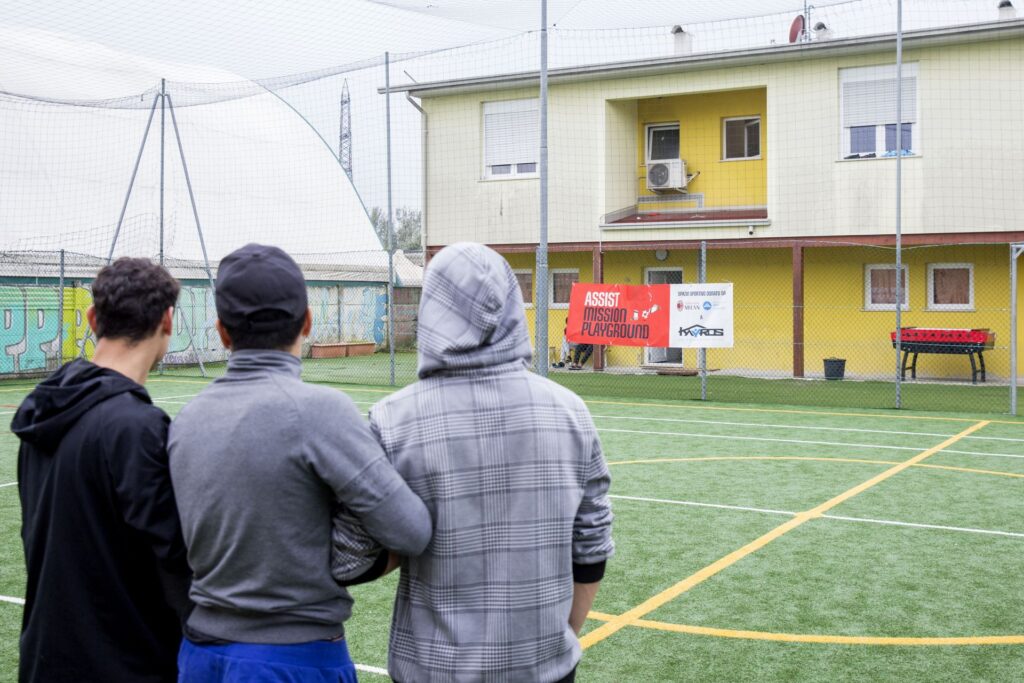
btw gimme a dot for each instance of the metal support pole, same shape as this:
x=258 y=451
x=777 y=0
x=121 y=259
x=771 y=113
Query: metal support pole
x=340 y=296
x=391 y=224
x=199 y=227
x=163 y=127
x=899 y=200
x=131 y=182
x=1015 y=251
x=60 y=313
x=191 y=194
x=541 y=302
x=702 y=354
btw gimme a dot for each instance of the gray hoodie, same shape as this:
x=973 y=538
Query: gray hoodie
x=510 y=466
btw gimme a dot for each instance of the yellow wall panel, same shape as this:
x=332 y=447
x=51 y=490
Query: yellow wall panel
x=700 y=118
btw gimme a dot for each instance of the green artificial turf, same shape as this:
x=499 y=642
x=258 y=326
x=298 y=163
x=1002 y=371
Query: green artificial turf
x=828 y=576
x=374 y=370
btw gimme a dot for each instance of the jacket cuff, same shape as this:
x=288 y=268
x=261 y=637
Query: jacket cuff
x=588 y=573
x=375 y=571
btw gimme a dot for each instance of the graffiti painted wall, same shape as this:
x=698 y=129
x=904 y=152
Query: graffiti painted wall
x=36 y=336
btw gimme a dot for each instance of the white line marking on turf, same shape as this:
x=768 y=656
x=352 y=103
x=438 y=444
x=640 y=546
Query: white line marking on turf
x=371 y=669
x=805 y=427
x=807 y=442
x=690 y=503
x=769 y=426
x=13 y=601
x=842 y=518
x=10 y=483
x=926 y=526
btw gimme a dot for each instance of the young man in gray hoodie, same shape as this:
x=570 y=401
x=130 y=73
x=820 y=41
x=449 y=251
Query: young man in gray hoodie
x=511 y=468
x=259 y=460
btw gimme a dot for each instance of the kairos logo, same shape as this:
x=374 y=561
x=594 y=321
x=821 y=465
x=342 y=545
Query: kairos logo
x=701 y=331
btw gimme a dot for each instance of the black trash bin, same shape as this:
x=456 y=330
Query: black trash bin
x=835 y=368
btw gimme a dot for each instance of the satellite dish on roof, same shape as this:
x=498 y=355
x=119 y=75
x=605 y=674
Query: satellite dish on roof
x=796 y=29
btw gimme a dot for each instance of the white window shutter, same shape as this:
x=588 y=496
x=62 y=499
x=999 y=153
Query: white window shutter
x=511 y=132
x=869 y=95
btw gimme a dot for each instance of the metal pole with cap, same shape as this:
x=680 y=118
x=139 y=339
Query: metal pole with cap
x=390 y=223
x=541 y=301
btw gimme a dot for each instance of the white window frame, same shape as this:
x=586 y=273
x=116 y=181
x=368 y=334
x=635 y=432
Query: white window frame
x=755 y=117
x=533 y=285
x=551 y=286
x=969 y=306
x=905 y=291
x=513 y=173
x=649 y=129
x=874 y=73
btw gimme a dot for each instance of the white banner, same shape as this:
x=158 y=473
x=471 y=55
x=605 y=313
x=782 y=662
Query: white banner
x=700 y=316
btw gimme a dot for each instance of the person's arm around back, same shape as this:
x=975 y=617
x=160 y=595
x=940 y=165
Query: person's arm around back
x=349 y=458
x=592 y=543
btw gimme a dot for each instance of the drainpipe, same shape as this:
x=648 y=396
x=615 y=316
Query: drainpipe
x=423 y=175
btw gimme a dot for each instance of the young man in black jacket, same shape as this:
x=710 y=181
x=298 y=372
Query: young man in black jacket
x=107 y=570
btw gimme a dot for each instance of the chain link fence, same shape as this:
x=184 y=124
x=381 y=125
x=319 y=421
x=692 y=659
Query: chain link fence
x=44 y=297
x=814 y=324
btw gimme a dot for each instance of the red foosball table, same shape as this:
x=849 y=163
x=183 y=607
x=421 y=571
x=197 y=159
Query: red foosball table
x=916 y=340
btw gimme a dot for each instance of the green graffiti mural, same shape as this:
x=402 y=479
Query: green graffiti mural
x=32 y=324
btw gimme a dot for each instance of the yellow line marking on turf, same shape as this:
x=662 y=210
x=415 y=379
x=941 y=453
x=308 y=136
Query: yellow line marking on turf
x=971 y=470
x=815 y=638
x=795 y=411
x=653 y=603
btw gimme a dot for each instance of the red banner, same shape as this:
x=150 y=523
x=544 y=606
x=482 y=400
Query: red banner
x=619 y=315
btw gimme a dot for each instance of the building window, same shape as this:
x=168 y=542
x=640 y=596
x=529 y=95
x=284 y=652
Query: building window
x=511 y=138
x=663 y=142
x=525 y=279
x=741 y=138
x=561 y=282
x=880 y=287
x=951 y=287
x=868 y=112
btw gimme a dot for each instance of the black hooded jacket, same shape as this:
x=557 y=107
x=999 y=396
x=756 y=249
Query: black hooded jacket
x=107 y=571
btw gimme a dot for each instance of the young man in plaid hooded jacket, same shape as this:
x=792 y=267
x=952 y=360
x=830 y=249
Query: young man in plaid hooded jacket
x=510 y=466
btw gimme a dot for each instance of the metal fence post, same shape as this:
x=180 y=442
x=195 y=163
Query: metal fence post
x=60 y=313
x=390 y=223
x=1015 y=251
x=702 y=354
x=541 y=297
x=340 y=290
x=899 y=199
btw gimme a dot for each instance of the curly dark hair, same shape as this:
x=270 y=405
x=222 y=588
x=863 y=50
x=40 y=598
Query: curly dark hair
x=130 y=296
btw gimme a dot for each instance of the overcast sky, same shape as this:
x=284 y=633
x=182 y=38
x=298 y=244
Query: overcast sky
x=97 y=49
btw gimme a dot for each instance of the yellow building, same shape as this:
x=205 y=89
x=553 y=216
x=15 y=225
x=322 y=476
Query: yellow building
x=781 y=161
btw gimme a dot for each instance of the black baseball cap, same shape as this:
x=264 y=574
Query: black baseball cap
x=260 y=289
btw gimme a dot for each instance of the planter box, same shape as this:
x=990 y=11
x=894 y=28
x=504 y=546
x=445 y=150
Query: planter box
x=341 y=349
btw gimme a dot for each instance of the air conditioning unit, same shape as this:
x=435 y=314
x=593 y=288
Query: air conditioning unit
x=666 y=175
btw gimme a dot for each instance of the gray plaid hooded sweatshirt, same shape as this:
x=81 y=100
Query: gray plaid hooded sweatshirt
x=510 y=467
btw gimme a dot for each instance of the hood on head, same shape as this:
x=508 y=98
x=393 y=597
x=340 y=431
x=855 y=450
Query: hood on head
x=471 y=312
x=56 y=404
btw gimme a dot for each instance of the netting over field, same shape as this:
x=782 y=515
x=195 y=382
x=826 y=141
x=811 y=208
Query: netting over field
x=183 y=135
